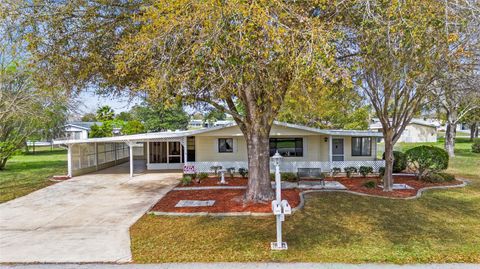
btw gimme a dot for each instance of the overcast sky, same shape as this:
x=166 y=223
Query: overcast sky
x=89 y=102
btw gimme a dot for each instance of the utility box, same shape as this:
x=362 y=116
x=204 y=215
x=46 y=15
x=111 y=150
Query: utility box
x=287 y=209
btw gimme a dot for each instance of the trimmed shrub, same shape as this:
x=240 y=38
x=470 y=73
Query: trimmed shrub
x=427 y=159
x=433 y=178
x=365 y=170
x=215 y=169
x=288 y=176
x=447 y=177
x=350 y=170
x=285 y=176
x=202 y=175
x=399 y=161
x=243 y=172
x=369 y=184
x=231 y=171
x=336 y=171
x=186 y=180
x=381 y=171
x=476 y=146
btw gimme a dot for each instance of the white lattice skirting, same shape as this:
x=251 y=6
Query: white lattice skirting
x=287 y=166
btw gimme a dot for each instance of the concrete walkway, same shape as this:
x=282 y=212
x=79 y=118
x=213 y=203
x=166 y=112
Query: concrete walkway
x=84 y=219
x=243 y=266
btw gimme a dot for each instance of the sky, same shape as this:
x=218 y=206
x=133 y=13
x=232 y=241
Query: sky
x=89 y=102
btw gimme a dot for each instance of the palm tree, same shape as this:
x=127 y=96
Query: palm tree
x=105 y=113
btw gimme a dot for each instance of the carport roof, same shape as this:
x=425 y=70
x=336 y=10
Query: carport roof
x=181 y=134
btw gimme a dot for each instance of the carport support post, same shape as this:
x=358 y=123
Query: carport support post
x=330 y=152
x=69 y=162
x=130 y=145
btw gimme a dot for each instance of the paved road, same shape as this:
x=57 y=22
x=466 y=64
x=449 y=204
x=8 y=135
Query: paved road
x=85 y=219
x=243 y=266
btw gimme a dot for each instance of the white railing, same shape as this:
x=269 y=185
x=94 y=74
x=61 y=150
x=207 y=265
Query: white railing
x=287 y=166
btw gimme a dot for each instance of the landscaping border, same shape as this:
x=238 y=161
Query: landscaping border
x=302 y=202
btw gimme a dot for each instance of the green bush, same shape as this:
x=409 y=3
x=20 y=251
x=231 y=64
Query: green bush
x=243 y=172
x=285 y=176
x=350 y=170
x=186 y=180
x=381 y=171
x=202 y=175
x=369 y=184
x=434 y=178
x=231 y=171
x=336 y=171
x=447 y=177
x=215 y=168
x=476 y=146
x=427 y=159
x=399 y=161
x=365 y=170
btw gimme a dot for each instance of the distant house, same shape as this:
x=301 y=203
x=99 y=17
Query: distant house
x=197 y=124
x=417 y=131
x=80 y=129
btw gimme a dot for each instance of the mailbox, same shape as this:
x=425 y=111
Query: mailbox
x=287 y=209
x=276 y=208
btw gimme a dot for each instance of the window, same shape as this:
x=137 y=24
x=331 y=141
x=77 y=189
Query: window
x=361 y=146
x=225 y=145
x=287 y=147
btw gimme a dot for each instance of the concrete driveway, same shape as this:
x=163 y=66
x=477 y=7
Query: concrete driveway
x=84 y=219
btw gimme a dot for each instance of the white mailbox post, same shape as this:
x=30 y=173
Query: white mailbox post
x=222 y=176
x=280 y=207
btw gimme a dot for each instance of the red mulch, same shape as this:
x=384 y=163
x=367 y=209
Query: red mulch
x=215 y=181
x=232 y=200
x=225 y=201
x=356 y=184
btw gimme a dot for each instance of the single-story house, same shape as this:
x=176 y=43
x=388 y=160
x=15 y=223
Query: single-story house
x=81 y=129
x=199 y=150
x=417 y=131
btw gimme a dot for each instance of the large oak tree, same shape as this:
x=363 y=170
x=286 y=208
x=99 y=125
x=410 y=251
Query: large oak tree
x=240 y=57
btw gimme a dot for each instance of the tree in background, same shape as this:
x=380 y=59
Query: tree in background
x=89 y=117
x=133 y=127
x=327 y=108
x=457 y=90
x=472 y=119
x=214 y=115
x=396 y=47
x=105 y=113
x=157 y=117
x=105 y=129
x=26 y=110
x=124 y=116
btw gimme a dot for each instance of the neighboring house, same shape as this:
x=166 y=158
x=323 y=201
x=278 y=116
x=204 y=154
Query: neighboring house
x=302 y=147
x=81 y=129
x=417 y=131
x=197 y=124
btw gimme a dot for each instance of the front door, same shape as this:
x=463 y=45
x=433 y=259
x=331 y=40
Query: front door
x=337 y=149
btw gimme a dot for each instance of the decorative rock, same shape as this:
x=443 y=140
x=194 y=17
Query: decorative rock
x=194 y=203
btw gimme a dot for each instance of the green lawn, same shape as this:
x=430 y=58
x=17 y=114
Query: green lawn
x=29 y=172
x=441 y=226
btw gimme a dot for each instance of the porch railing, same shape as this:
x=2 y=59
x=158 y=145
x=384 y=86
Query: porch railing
x=287 y=166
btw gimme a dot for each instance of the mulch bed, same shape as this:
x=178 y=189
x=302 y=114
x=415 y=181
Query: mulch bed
x=356 y=185
x=225 y=201
x=231 y=200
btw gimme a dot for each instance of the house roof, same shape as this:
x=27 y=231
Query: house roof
x=86 y=125
x=181 y=134
x=377 y=125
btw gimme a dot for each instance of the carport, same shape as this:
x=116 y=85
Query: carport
x=94 y=154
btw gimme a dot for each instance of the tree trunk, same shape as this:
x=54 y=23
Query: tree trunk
x=388 y=177
x=258 y=150
x=473 y=130
x=450 y=138
x=3 y=162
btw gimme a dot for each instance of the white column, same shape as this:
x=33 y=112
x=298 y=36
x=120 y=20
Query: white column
x=69 y=159
x=330 y=152
x=185 y=150
x=130 y=145
x=148 y=153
